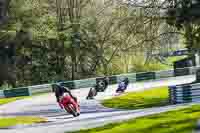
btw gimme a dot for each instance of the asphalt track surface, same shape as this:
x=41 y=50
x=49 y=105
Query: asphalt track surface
x=93 y=114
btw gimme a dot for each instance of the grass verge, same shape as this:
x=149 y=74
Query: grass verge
x=138 y=100
x=175 y=58
x=178 y=121
x=12 y=99
x=7 y=122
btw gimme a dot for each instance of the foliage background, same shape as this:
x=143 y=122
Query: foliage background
x=114 y=38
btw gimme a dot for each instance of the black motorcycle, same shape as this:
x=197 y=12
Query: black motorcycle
x=101 y=86
x=92 y=93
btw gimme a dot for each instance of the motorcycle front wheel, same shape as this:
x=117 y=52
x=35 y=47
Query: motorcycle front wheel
x=70 y=109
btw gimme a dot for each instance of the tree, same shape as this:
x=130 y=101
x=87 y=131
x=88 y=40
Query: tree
x=70 y=9
x=4 y=4
x=184 y=15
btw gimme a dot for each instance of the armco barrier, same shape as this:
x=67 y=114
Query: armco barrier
x=39 y=89
x=85 y=83
x=133 y=77
x=193 y=70
x=145 y=76
x=69 y=84
x=181 y=72
x=164 y=74
x=16 y=92
x=184 y=93
x=130 y=76
x=2 y=94
x=113 y=80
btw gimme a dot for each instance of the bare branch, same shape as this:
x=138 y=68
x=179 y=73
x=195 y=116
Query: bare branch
x=150 y=40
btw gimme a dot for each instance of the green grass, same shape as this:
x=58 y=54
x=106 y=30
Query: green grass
x=7 y=122
x=12 y=99
x=175 y=58
x=178 y=121
x=142 y=99
x=169 y=60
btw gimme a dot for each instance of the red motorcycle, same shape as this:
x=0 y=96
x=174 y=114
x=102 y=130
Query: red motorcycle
x=70 y=105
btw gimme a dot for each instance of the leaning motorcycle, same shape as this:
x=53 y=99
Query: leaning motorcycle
x=121 y=87
x=101 y=87
x=70 y=105
x=92 y=93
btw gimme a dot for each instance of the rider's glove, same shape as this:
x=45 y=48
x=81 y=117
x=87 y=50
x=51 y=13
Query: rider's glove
x=60 y=105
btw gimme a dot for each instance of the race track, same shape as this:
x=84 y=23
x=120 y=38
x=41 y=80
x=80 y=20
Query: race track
x=93 y=114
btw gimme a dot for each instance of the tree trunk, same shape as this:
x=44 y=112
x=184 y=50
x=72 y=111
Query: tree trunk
x=73 y=58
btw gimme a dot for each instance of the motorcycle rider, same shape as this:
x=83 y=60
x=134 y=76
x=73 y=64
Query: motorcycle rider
x=59 y=92
x=102 y=84
x=126 y=80
x=123 y=85
x=92 y=93
x=106 y=81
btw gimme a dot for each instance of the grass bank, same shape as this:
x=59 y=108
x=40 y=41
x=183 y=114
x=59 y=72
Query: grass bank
x=178 y=121
x=7 y=122
x=138 y=100
x=12 y=99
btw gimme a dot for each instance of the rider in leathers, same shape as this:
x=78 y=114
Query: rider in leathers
x=59 y=91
